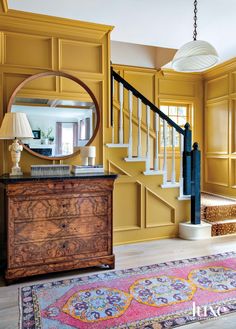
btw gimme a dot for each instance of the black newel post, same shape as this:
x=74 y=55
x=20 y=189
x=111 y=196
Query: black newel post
x=196 y=185
x=187 y=159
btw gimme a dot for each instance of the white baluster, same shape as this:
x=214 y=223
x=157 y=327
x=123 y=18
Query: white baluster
x=130 y=149
x=165 y=152
x=148 y=138
x=121 y=100
x=139 y=128
x=112 y=109
x=173 y=156
x=156 y=159
x=181 y=179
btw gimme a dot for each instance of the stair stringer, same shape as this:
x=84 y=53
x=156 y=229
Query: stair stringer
x=138 y=199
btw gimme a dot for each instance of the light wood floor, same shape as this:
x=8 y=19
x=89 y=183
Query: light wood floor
x=130 y=256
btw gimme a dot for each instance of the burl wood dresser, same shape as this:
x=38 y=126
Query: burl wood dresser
x=57 y=224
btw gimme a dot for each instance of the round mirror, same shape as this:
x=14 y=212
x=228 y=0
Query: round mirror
x=62 y=111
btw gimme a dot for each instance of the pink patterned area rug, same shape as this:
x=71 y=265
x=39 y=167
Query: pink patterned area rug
x=164 y=295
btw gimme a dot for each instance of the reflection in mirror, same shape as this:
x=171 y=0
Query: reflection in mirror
x=60 y=125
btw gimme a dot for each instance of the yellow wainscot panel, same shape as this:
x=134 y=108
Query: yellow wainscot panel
x=176 y=87
x=217 y=87
x=112 y=167
x=40 y=85
x=127 y=201
x=1 y=47
x=73 y=90
x=80 y=56
x=233 y=173
x=217 y=128
x=28 y=50
x=232 y=134
x=217 y=171
x=158 y=211
x=143 y=82
x=11 y=81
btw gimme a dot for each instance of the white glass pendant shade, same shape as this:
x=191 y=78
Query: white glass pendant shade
x=195 y=56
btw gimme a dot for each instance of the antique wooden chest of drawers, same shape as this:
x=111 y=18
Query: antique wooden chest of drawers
x=56 y=224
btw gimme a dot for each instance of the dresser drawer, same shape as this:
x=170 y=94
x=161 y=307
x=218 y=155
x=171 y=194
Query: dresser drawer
x=59 y=186
x=52 y=251
x=59 y=228
x=33 y=208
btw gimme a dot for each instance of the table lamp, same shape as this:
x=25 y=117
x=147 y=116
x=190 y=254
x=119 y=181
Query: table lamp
x=15 y=126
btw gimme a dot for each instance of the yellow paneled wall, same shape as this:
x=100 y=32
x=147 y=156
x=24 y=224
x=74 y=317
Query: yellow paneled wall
x=219 y=129
x=30 y=44
x=144 y=210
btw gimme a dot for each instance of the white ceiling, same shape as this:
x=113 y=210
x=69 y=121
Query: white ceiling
x=162 y=23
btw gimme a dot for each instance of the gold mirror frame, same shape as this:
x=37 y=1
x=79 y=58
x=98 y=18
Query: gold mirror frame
x=65 y=75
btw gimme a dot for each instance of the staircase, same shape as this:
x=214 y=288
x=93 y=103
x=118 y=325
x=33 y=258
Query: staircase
x=220 y=212
x=139 y=148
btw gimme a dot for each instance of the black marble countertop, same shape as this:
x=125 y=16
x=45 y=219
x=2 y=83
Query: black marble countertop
x=7 y=179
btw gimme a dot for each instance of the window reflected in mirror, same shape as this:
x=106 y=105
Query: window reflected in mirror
x=62 y=120
x=61 y=129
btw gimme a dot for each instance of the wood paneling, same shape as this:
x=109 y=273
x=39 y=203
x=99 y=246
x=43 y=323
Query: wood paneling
x=217 y=87
x=175 y=87
x=233 y=173
x=127 y=210
x=158 y=211
x=41 y=86
x=1 y=47
x=28 y=50
x=217 y=171
x=74 y=53
x=144 y=82
x=232 y=135
x=217 y=128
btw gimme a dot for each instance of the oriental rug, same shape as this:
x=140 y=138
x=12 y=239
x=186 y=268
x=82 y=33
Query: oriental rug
x=164 y=295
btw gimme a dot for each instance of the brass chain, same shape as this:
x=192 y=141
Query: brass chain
x=195 y=21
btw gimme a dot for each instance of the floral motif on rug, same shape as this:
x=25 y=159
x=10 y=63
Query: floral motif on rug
x=214 y=278
x=148 y=297
x=162 y=290
x=97 y=304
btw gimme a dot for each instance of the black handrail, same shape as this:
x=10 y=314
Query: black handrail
x=186 y=132
x=155 y=109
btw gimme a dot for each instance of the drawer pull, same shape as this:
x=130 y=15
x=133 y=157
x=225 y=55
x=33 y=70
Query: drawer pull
x=63 y=225
x=63 y=246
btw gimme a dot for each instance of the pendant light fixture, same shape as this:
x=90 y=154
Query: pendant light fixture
x=196 y=55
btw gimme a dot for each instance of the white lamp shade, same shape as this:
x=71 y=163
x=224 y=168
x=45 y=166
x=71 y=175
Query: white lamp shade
x=15 y=125
x=195 y=56
x=88 y=151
